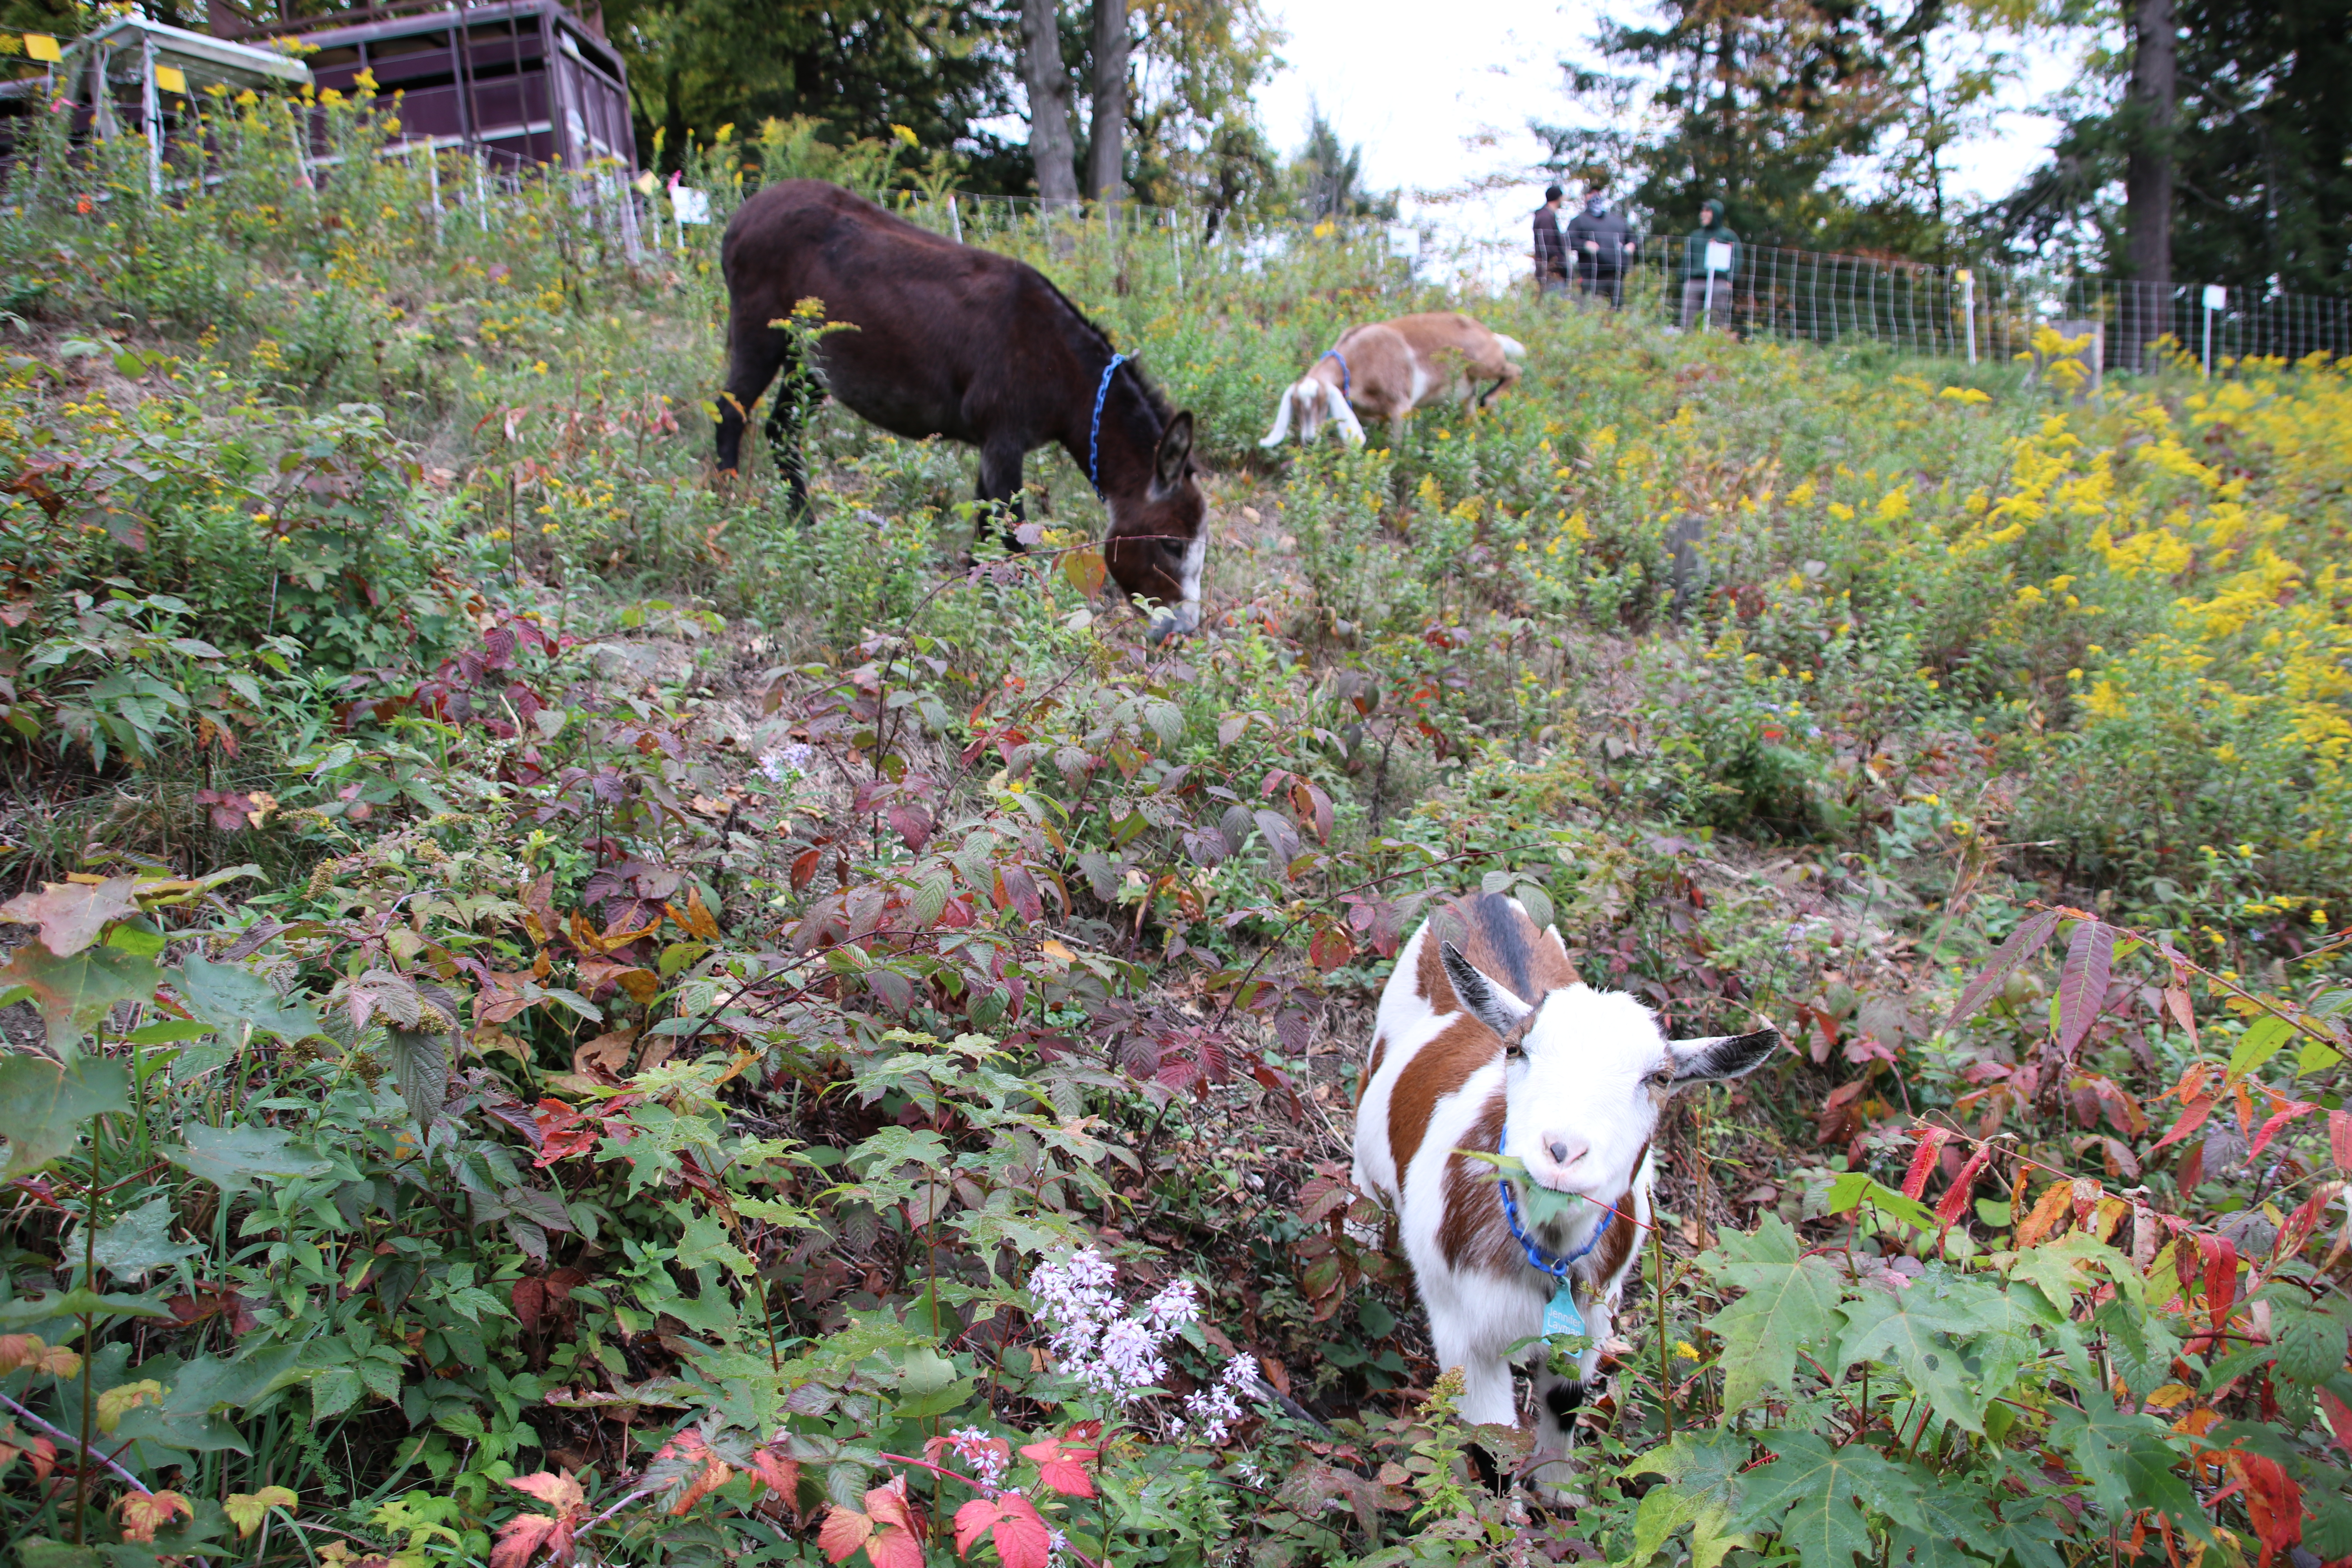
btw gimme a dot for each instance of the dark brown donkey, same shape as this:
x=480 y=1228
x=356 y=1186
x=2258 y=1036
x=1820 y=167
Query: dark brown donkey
x=950 y=341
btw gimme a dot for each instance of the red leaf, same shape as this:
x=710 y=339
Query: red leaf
x=1064 y=1469
x=804 y=872
x=1020 y=890
x=2274 y=1503
x=2083 y=983
x=2023 y=943
x=2221 y=1276
x=844 y=1531
x=2339 y=1419
x=1922 y=1159
x=912 y=823
x=2190 y=1121
x=1011 y=1521
x=2340 y=1138
x=520 y=1540
x=896 y=1543
x=2288 y=1112
x=1330 y=948
x=1956 y=1201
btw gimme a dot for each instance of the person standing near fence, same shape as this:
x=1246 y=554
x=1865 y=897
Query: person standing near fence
x=1699 y=251
x=1551 y=252
x=1601 y=245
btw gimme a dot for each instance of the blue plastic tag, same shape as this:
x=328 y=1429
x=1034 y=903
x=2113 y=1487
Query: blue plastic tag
x=1560 y=1316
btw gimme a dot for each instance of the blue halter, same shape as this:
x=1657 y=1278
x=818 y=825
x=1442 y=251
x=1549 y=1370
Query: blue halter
x=1539 y=1257
x=1094 y=436
x=1346 y=380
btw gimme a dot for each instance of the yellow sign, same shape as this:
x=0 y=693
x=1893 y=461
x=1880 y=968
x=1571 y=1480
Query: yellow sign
x=41 y=47
x=171 y=79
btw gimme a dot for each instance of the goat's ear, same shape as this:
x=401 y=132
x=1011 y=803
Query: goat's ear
x=1490 y=1003
x=1175 y=454
x=1721 y=1056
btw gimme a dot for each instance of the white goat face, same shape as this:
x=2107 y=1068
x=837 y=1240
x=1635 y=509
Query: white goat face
x=1585 y=1074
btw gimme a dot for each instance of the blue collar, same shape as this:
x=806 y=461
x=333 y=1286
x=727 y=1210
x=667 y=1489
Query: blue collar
x=1094 y=436
x=1346 y=380
x=1539 y=1257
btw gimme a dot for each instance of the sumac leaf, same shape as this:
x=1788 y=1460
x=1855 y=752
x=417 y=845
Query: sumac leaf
x=2083 y=983
x=2023 y=943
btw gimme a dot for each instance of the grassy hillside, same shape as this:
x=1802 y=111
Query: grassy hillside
x=595 y=1017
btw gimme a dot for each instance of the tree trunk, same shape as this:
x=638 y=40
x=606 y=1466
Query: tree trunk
x=1051 y=145
x=1105 y=167
x=2147 y=181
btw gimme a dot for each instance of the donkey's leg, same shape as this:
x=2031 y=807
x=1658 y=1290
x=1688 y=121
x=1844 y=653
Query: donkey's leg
x=999 y=489
x=757 y=350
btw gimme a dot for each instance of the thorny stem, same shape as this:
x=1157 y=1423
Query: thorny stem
x=89 y=1341
x=134 y=1482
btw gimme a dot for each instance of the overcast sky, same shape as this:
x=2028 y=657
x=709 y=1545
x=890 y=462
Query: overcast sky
x=1417 y=85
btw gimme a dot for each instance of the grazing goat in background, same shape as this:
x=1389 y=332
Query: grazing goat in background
x=1486 y=1040
x=1388 y=369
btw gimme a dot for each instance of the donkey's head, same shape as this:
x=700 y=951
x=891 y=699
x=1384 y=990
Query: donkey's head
x=1159 y=538
x=1585 y=1073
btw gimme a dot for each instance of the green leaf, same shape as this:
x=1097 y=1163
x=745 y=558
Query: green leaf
x=1917 y=1330
x=2263 y=1040
x=2327 y=1535
x=1789 y=1301
x=231 y=1157
x=26 y=1310
x=239 y=1004
x=705 y=1240
x=1812 y=1497
x=43 y=1106
x=2126 y=1461
x=333 y=1390
x=2310 y=1344
x=2029 y=1539
x=420 y=1066
x=41 y=1553
x=1856 y=1187
x=2053 y=1267
x=1703 y=1468
x=74 y=994
x=141 y=1241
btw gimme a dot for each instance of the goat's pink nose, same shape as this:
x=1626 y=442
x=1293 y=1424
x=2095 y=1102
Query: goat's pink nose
x=1564 y=1150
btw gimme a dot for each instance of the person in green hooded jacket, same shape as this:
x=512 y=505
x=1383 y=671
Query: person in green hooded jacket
x=1712 y=230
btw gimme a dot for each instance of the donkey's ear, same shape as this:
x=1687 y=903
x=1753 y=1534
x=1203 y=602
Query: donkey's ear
x=1490 y=1003
x=1721 y=1056
x=1175 y=454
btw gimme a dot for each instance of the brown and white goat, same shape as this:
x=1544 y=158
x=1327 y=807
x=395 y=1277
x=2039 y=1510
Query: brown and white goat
x=1387 y=369
x=1486 y=1040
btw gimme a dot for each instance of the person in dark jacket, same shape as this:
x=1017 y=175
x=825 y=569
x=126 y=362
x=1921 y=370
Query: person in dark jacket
x=1601 y=245
x=1712 y=230
x=1551 y=253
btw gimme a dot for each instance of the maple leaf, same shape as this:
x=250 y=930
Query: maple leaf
x=247 y=1510
x=1061 y=1468
x=1011 y=1521
x=145 y=1512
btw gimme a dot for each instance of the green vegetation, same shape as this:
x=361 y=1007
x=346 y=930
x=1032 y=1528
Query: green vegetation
x=556 y=1014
